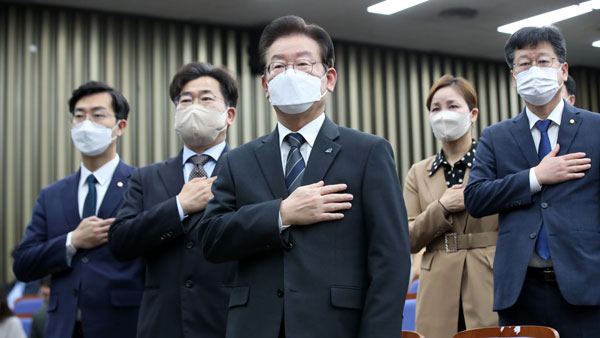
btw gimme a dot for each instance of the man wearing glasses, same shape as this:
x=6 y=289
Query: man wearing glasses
x=185 y=296
x=539 y=171
x=313 y=212
x=93 y=295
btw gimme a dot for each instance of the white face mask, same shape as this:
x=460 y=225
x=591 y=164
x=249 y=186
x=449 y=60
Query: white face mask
x=91 y=138
x=295 y=92
x=538 y=85
x=199 y=126
x=449 y=125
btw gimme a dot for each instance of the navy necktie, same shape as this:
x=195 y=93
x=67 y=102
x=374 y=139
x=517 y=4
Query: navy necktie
x=541 y=246
x=294 y=168
x=89 y=206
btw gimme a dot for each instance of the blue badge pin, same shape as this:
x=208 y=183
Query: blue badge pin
x=329 y=150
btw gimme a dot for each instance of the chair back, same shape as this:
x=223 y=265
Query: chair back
x=411 y=334
x=410 y=308
x=510 y=331
x=26 y=306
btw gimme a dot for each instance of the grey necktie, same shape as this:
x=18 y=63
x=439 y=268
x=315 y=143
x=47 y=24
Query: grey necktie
x=198 y=162
x=294 y=168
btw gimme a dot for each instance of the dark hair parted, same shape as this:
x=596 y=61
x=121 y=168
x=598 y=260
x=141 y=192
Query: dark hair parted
x=119 y=103
x=5 y=311
x=530 y=37
x=291 y=25
x=571 y=86
x=194 y=70
x=463 y=86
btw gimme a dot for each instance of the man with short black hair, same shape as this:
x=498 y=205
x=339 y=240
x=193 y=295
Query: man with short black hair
x=185 y=295
x=569 y=90
x=93 y=295
x=313 y=212
x=539 y=172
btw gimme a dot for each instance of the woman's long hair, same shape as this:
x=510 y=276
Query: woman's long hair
x=5 y=311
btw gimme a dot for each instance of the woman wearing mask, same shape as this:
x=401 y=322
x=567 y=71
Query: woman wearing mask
x=10 y=325
x=456 y=282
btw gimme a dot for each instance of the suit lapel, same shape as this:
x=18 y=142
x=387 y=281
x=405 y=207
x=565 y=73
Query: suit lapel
x=269 y=159
x=568 y=130
x=323 y=153
x=70 y=205
x=116 y=189
x=171 y=174
x=218 y=165
x=524 y=140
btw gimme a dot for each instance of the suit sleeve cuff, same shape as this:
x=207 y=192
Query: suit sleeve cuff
x=534 y=185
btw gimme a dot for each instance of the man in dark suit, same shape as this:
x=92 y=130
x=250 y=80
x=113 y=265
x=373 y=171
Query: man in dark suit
x=312 y=212
x=539 y=171
x=93 y=294
x=185 y=296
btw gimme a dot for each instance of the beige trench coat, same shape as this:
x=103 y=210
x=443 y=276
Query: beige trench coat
x=452 y=267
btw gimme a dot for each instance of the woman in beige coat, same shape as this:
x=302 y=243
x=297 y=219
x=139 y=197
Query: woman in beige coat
x=456 y=282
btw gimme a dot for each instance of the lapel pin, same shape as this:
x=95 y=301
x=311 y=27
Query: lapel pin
x=329 y=150
x=120 y=184
x=571 y=121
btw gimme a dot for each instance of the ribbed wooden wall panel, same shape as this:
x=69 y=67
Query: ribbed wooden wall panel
x=47 y=52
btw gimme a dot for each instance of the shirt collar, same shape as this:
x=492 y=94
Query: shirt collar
x=555 y=116
x=213 y=152
x=309 y=131
x=440 y=159
x=103 y=174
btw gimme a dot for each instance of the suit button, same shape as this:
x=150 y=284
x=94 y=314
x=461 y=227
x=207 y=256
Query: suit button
x=75 y=292
x=279 y=293
x=532 y=235
x=544 y=205
x=189 y=283
x=84 y=260
x=189 y=244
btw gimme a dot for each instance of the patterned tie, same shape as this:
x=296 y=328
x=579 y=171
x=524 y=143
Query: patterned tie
x=198 y=162
x=89 y=206
x=294 y=168
x=541 y=246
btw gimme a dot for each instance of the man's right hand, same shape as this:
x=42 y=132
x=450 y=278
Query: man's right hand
x=91 y=232
x=315 y=203
x=195 y=194
x=556 y=169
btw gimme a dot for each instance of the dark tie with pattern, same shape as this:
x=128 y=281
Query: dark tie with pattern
x=198 y=162
x=294 y=168
x=541 y=245
x=89 y=206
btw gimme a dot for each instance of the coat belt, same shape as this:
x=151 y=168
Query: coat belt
x=452 y=242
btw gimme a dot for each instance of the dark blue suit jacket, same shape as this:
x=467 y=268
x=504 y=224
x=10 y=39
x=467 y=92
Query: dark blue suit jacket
x=185 y=296
x=499 y=183
x=344 y=278
x=107 y=291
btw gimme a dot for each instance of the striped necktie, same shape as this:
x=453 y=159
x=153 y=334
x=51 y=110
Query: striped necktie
x=294 y=168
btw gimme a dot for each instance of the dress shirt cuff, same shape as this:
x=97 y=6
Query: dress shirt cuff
x=180 y=209
x=534 y=185
x=71 y=250
x=281 y=226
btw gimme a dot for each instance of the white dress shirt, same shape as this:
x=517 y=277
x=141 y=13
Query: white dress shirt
x=555 y=116
x=213 y=153
x=309 y=132
x=103 y=176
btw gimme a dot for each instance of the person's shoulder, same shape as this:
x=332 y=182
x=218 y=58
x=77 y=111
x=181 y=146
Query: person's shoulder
x=153 y=167
x=359 y=139
x=250 y=147
x=587 y=115
x=424 y=163
x=61 y=183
